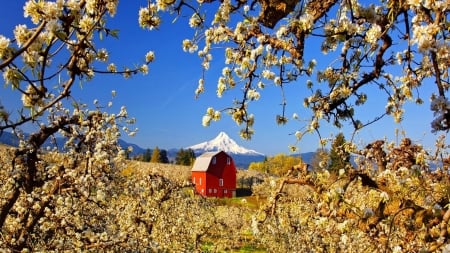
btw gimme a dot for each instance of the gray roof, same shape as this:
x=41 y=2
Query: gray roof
x=202 y=162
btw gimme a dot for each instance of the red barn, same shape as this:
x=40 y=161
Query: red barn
x=214 y=175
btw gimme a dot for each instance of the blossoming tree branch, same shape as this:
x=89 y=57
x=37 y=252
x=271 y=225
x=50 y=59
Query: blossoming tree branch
x=394 y=45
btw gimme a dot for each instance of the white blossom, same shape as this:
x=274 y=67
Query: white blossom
x=373 y=34
x=4 y=43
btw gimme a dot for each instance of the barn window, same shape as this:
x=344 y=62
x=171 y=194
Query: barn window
x=193 y=181
x=215 y=190
x=200 y=181
x=228 y=161
x=225 y=191
x=214 y=160
x=209 y=190
x=221 y=182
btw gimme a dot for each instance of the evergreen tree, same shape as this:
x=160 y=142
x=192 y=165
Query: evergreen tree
x=185 y=157
x=339 y=158
x=163 y=156
x=155 y=156
x=147 y=155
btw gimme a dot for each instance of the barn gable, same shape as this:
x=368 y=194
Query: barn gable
x=202 y=162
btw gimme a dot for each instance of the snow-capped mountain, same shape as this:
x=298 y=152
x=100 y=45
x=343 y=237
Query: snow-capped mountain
x=224 y=143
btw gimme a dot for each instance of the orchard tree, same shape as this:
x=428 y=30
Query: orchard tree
x=396 y=46
x=259 y=166
x=146 y=157
x=40 y=64
x=276 y=165
x=78 y=200
x=163 y=156
x=185 y=157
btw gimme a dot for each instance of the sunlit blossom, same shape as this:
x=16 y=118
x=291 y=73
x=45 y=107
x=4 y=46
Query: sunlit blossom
x=102 y=55
x=4 y=43
x=148 y=18
x=112 y=67
x=206 y=120
x=150 y=56
x=373 y=34
x=252 y=94
x=195 y=20
x=87 y=24
x=22 y=34
x=298 y=135
x=144 y=69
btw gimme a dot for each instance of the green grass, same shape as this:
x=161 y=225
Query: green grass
x=249 y=248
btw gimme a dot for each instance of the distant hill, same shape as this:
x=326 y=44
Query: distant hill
x=306 y=157
x=10 y=139
x=137 y=150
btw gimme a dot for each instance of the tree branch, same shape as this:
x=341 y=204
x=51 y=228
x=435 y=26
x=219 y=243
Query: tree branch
x=25 y=46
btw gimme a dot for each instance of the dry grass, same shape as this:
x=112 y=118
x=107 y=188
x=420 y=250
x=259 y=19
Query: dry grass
x=177 y=173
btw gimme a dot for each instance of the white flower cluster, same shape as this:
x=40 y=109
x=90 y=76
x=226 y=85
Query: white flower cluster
x=222 y=15
x=373 y=34
x=423 y=36
x=33 y=98
x=148 y=17
x=189 y=46
x=210 y=115
x=195 y=21
x=43 y=10
x=4 y=44
x=253 y=94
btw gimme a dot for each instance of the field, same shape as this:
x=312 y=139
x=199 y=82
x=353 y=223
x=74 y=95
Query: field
x=137 y=206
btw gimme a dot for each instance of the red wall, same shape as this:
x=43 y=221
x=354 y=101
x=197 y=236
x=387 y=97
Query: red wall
x=199 y=187
x=210 y=180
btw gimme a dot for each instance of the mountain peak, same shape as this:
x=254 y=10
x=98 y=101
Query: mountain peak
x=222 y=134
x=222 y=142
x=223 y=137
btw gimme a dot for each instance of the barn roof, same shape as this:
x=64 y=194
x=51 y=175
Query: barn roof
x=202 y=162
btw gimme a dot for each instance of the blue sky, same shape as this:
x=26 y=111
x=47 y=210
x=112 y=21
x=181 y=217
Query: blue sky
x=168 y=115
